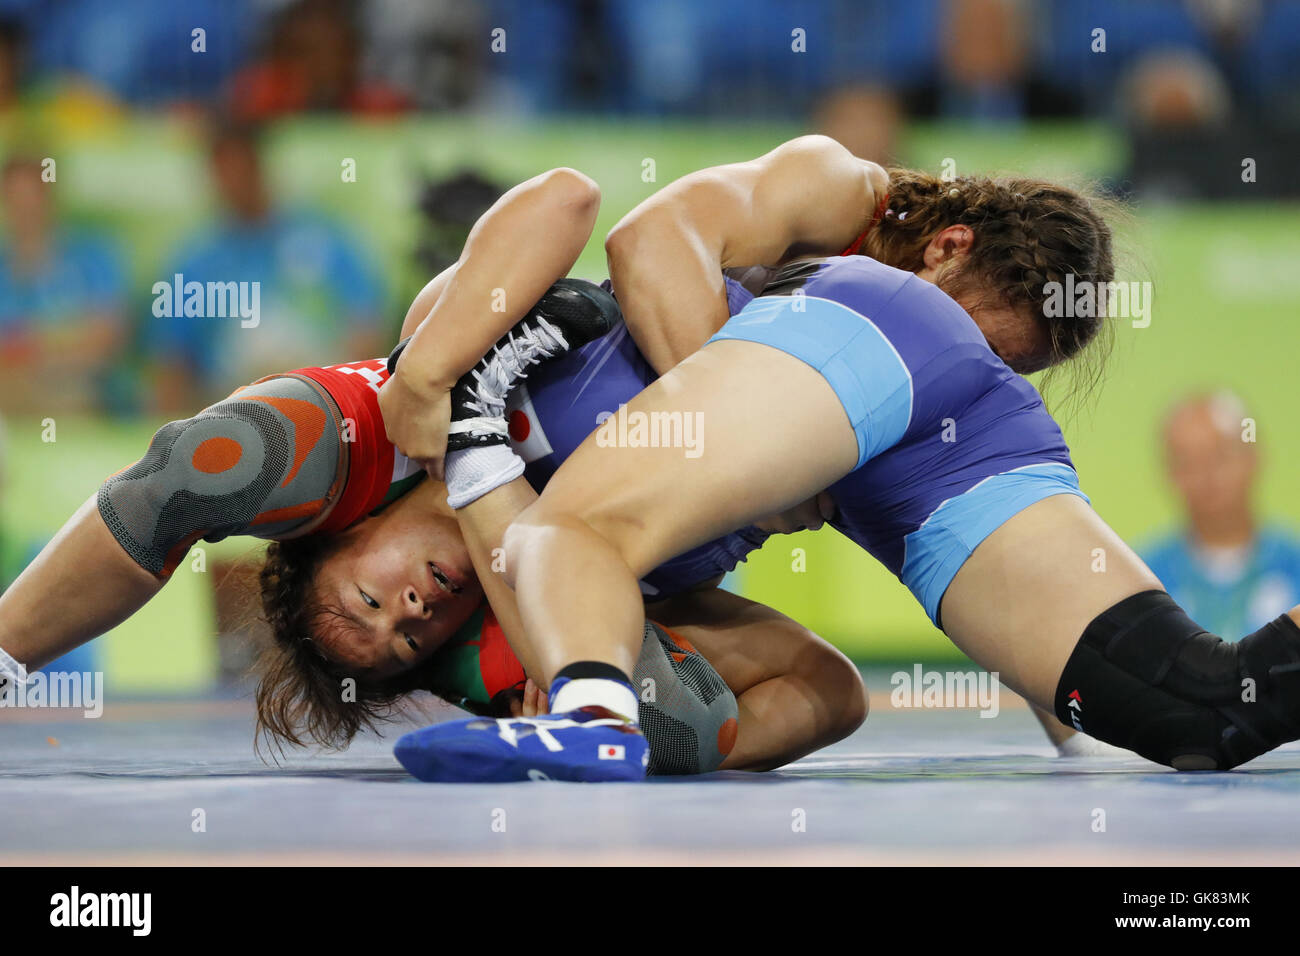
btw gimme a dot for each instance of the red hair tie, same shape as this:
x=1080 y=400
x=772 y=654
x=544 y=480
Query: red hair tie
x=852 y=250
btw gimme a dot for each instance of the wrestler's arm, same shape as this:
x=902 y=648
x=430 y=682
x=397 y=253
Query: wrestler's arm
x=809 y=196
x=505 y=257
x=424 y=301
x=483 y=523
x=81 y=584
x=529 y=238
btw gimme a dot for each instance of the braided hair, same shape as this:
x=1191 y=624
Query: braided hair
x=1027 y=233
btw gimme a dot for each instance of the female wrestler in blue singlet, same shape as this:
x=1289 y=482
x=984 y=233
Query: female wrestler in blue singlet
x=736 y=635
x=764 y=199
x=878 y=385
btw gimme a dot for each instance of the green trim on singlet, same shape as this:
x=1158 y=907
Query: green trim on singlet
x=454 y=671
x=399 y=488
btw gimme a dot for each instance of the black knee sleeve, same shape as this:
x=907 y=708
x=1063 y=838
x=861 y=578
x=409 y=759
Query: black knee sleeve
x=1146 y=678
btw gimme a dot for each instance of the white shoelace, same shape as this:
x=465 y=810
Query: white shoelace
x=504 y=367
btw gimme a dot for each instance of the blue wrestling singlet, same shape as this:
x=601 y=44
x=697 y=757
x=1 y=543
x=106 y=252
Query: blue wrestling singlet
x=951 y=442
x=564 y=400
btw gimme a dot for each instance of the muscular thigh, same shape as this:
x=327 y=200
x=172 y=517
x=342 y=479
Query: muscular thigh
x=759 y=432
x=1022 y=600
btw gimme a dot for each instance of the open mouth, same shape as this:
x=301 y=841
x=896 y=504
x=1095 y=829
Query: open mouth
x=444 y=581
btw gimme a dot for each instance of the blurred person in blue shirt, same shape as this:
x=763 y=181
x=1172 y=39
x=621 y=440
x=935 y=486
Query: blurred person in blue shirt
x=317 y=297
x=62 y=300
x=1232 y=572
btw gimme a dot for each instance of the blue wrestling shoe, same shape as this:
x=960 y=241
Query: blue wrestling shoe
x=590 y=744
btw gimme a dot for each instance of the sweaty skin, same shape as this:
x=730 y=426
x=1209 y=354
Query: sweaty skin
x=809 y=196
x=1026 y=593
x=416 y=402
x=795 y=692
x=1017 y=606
x=38 y=622
x=405 y=578
x=604 y=520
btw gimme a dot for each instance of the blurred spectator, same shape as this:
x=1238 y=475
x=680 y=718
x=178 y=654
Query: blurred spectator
x=1228 y=30
x=1188 y=134
x=434 y=50
x=1232 y=572
x=1175 y=90
x=982 y=60
x=319 y=299
x=62 y=301
x=313 y=63
x=864 y=119
x=985 y=59
x=450 y=207
x=1229 y=24
x=987 y=67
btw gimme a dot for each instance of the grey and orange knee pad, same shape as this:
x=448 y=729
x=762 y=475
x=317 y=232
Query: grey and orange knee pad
x=263 y=461
x=686 y=710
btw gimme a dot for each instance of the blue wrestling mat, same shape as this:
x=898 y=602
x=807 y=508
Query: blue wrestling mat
x=178 y=783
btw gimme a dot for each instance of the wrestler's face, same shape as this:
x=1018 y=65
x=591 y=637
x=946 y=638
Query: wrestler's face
x=1014 y=334
x=402 y=587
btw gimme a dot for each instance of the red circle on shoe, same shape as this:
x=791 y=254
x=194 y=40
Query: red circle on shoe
x=519 y=425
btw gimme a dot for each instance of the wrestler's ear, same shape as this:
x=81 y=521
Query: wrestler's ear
x=948 y=243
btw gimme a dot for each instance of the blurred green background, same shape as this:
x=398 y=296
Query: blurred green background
x=1225 y=314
